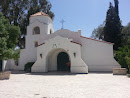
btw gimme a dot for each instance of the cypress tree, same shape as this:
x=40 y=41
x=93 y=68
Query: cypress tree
x=116 y=7
x=112 y=29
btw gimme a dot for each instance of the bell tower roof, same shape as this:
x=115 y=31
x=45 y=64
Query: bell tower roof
x=40 y=14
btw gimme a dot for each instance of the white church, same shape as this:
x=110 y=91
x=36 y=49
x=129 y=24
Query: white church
x=63 y=50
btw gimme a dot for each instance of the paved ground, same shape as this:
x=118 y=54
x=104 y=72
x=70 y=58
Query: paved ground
x=59 y=85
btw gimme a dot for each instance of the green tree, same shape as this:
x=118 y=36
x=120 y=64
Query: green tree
x=116 y=7
x=126 y=35
x=123 y=53
x=8 y=39
x=34 y=7
x=113 y=27
x=123 y=56
x=14 y=10
x=128 y=63
x=18 y=12
x=98 y=33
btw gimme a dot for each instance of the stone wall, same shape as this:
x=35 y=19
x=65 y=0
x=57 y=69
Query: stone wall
x=119 y=71
x=5 y=75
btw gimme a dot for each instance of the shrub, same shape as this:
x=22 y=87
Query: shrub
x=128 y=62
x=123 y=56
x=128 y=75
x=28 y=66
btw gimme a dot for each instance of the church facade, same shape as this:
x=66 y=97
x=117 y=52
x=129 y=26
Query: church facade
x=62 y=50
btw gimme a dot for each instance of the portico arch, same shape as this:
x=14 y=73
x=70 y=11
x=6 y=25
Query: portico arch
x=47 y=55
x=51 y=59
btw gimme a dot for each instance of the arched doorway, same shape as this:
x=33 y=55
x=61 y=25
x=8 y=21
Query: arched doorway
x=56 y=60
x=63 y=62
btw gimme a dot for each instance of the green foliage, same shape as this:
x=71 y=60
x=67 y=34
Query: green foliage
x=116 y=6
x=128 y=62
x=28 y=66
x=19 y=11
x=128 y=75
x=8 y=39
x=14 y=10
x=98 y=33
x=16 y=54
x=113 y=27
x=35 y=6
x=126 y=35
x=123 y=56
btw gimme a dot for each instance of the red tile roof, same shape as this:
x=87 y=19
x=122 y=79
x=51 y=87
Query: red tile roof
x=76 y=43
x=40 y=14
x=98 y=40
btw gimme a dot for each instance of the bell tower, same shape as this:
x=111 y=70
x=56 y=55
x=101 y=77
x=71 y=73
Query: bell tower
x=40 y=25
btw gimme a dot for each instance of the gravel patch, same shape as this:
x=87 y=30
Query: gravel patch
x=65 y=85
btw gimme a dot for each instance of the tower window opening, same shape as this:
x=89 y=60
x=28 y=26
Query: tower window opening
x=36 y=30
x=50 y=31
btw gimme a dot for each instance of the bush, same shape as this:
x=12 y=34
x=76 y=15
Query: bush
x=28 y=66
x=128 y=62
x=123 y=56
x=128 y=75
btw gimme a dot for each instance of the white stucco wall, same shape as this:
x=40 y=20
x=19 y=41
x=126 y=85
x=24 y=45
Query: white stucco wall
x=98 y=55
x=45 y=27
x=50 y=50
x=91 y=55
x=46 y=23
x=10 y=65
x=4 y=62
x=29 y=54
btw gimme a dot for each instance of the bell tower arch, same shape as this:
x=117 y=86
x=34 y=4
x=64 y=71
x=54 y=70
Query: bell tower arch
x=40 y=25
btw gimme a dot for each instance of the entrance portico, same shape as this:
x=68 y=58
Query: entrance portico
x=57 y=60
x=48 y=52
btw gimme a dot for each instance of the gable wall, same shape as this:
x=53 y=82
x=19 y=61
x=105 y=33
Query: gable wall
x=55 y=46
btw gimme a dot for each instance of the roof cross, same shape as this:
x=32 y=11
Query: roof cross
x=62 y=22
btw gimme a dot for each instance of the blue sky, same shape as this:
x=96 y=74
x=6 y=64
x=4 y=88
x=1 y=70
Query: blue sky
x=85 y=14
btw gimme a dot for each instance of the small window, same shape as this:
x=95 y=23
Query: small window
x=36 y=30
x=16 y=63
x=36 y=44
x=50 y=31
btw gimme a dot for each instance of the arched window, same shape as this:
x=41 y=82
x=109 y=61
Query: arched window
x=36 y=30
